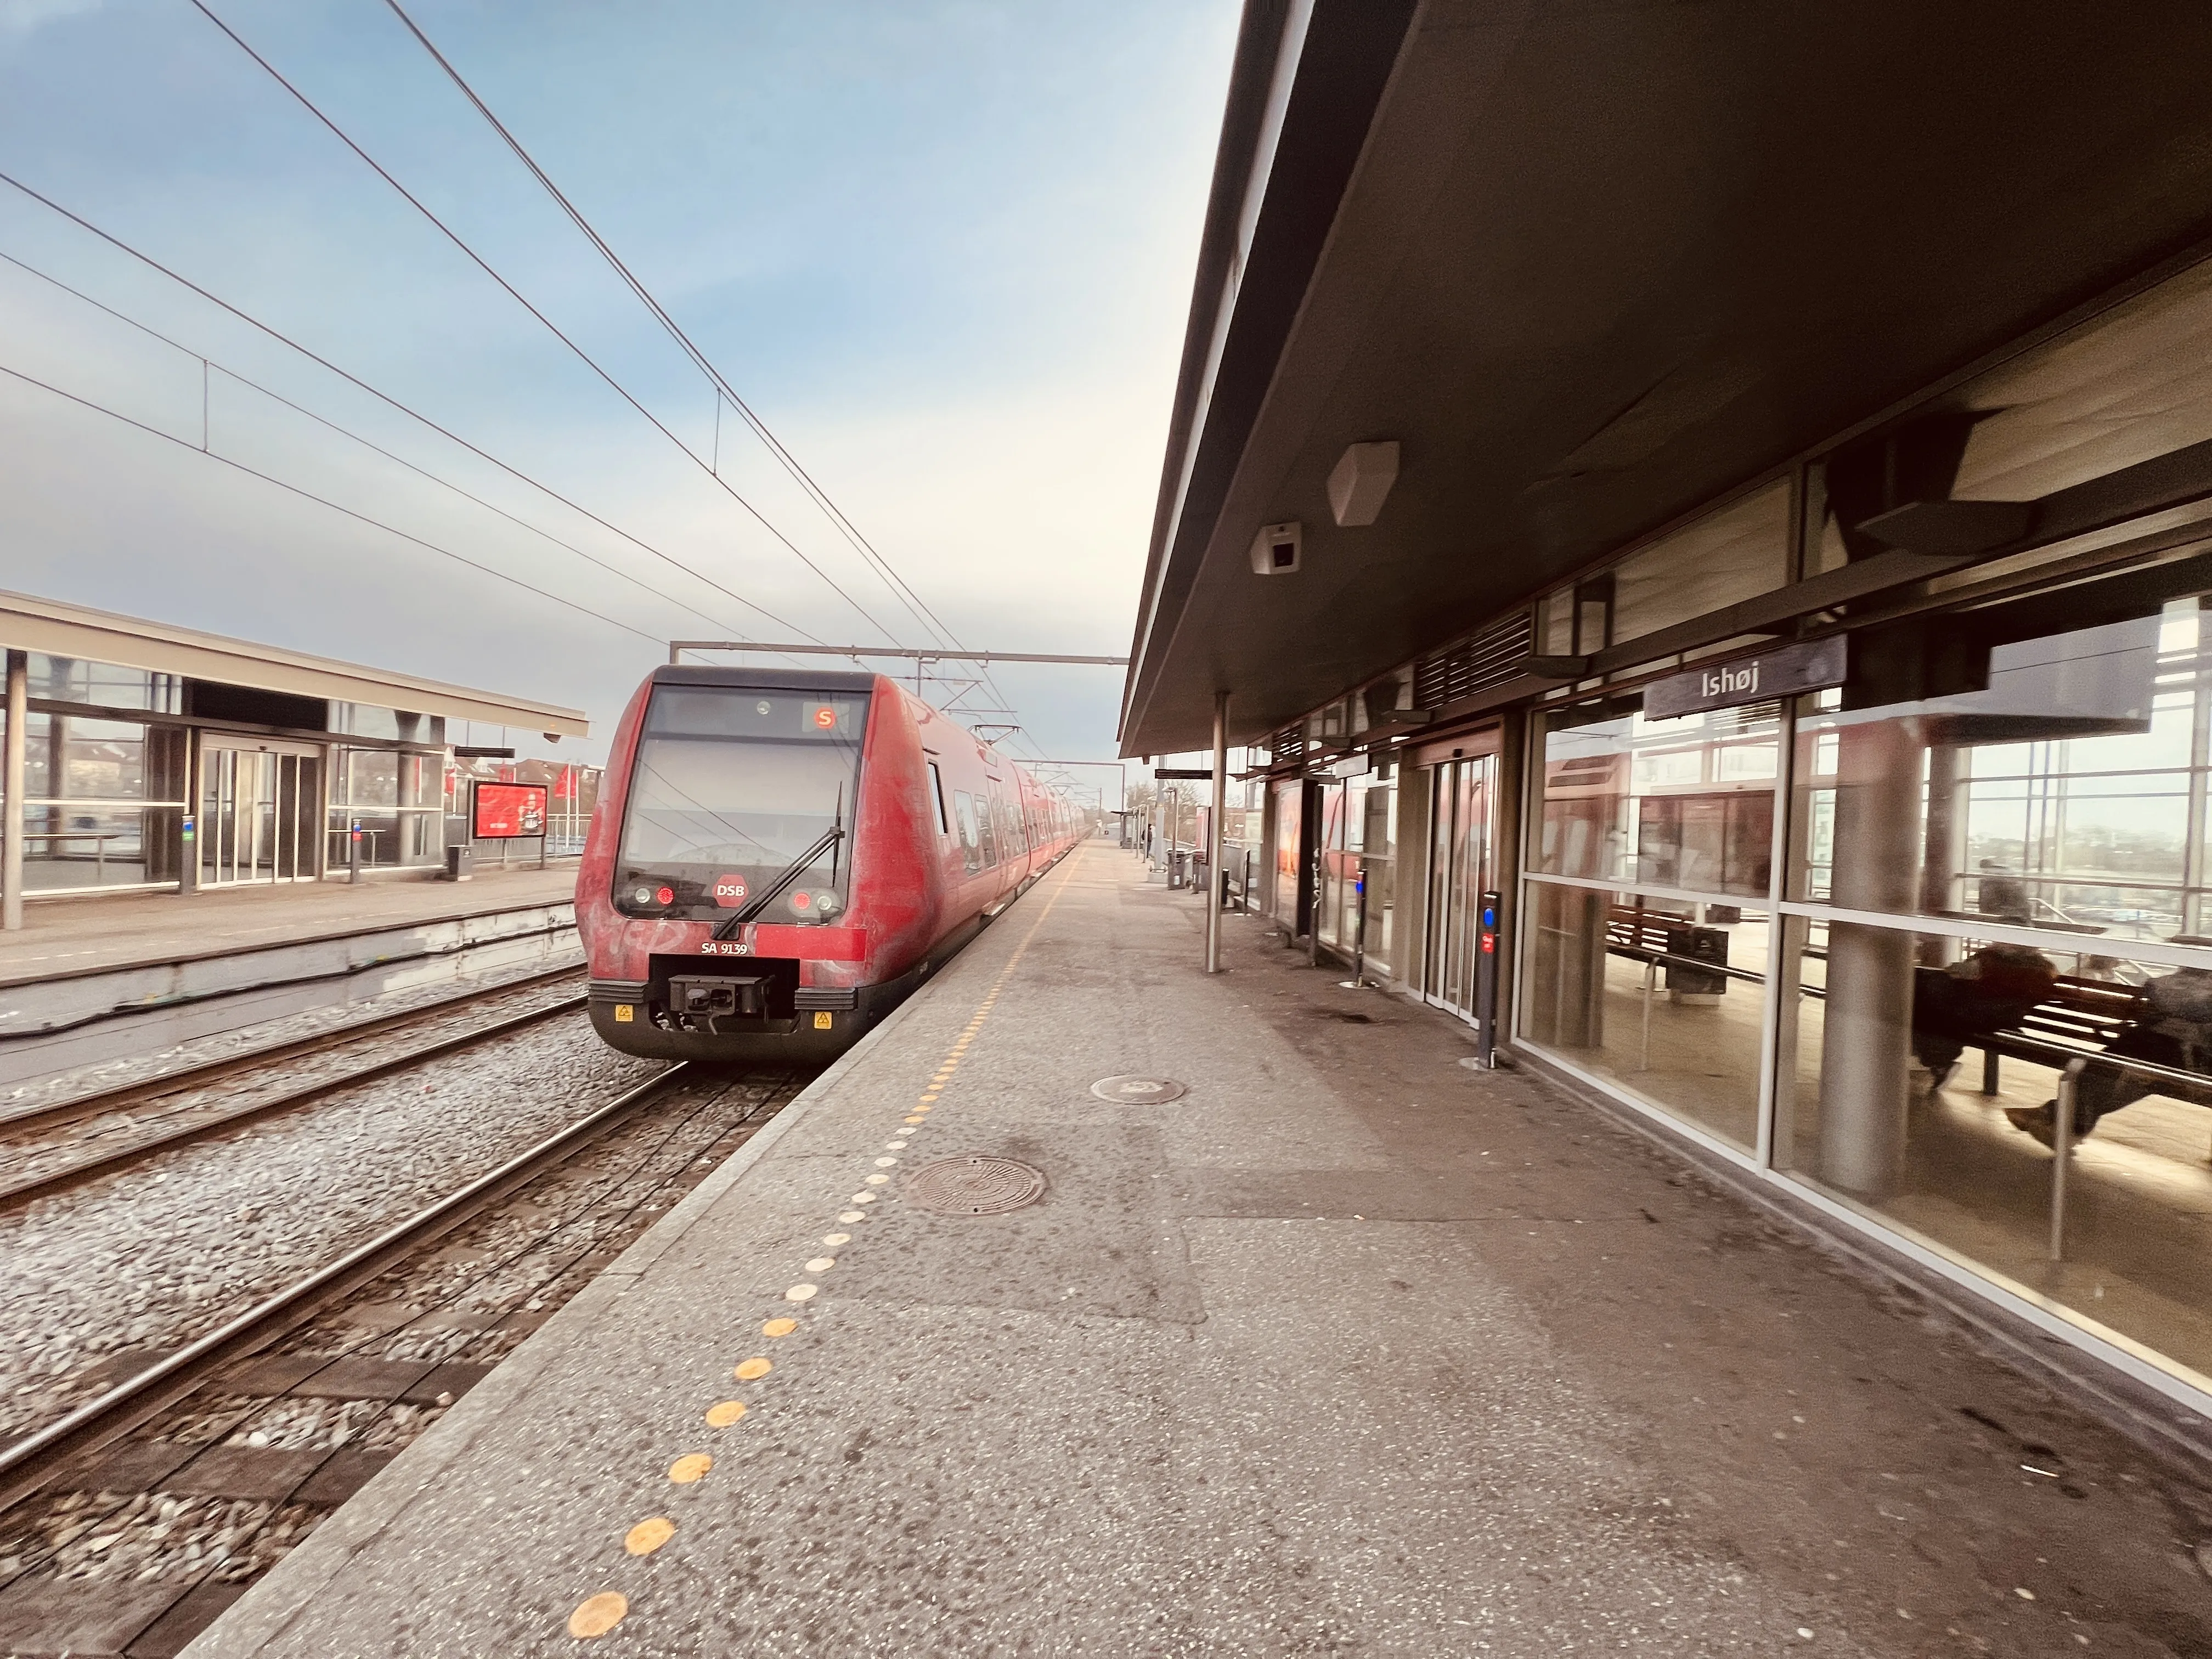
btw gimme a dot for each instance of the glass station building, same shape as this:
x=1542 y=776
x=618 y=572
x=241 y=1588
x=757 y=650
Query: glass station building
x=159 y=759
x=1770 y=551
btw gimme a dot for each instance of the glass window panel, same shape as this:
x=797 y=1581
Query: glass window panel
x=1663 y=998
x=1726 y=556
x=1288 y=799
x=2133 y=383
x=2062 y=785
x=1919 y=1077
x=1685 y=802
x=69 y=847
x=68 y=757
x=971 y=848
x=1372 y=832
x=72 y=679
x=1556 y=621
x=1335 y=880
x=373 y=777
x=362 y=720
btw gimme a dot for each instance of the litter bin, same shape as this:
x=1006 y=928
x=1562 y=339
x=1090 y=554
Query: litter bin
x=1179 y=868
x=458 y=859
x=1685 y=983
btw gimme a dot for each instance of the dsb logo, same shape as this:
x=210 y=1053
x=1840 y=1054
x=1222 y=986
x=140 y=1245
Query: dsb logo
x=729 y=891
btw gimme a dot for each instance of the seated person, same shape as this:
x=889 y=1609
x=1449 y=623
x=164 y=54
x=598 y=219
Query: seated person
x=1992 y=989
x=2175 y=1030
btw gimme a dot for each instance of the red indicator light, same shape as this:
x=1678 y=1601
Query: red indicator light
x=730 y=891
x=665 y=896
x=799 y=901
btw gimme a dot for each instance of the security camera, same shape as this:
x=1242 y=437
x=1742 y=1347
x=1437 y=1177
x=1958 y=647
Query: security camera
x=1275 y=550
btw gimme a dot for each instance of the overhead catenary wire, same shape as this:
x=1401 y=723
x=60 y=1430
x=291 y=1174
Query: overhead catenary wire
x=485 y=265
x=898 y=584
x=186 y=444
x=208 y=364
x=900 y=588
x=385 y=398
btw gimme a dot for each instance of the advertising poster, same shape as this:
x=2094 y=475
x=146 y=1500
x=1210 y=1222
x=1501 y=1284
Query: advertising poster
x=508 y=812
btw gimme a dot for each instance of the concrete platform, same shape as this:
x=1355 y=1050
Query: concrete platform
x=112 y=982
x=1350 y=1349
x=63 y=937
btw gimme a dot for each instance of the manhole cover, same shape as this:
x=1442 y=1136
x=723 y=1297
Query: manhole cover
x=974 y=1185
x=1137 y=1091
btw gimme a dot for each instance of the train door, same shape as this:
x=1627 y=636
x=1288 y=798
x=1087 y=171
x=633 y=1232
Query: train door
x=1462 y=862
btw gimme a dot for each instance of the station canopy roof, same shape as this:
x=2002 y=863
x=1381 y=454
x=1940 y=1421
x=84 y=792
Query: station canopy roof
x=75 y=630
x=1593 y=265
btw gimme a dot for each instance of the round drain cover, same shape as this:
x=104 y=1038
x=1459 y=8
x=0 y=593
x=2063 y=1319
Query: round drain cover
x=1137 y=1091
x=974 y=1185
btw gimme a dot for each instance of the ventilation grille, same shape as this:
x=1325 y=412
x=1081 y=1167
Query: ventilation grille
x=1288 y=747
x=1474 y=664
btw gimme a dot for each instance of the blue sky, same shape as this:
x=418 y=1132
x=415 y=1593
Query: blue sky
x=943 y=249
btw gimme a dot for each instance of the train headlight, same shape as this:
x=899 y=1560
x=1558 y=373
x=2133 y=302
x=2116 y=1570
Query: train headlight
x=643 y=895
x=827 y=905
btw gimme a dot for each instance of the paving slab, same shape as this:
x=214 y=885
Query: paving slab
x=1349 y=1350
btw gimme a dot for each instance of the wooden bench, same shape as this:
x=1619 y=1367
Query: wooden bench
x=2084 y=1015
x=1645 y=937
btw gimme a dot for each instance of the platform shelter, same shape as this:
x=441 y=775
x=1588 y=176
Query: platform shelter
x=143 y=757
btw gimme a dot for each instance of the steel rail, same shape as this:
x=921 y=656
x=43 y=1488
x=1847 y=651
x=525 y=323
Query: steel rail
x=102 y=1101
x=32 y=1463
x=76 y=1172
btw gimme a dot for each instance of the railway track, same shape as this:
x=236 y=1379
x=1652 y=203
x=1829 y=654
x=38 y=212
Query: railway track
x=58 y=1168
x=171 y=1441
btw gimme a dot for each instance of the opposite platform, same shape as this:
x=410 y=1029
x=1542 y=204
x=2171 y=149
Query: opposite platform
x=1349 y=1348
x=98 y=934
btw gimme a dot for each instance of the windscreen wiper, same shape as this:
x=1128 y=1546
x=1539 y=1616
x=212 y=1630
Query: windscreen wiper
x=828 y=838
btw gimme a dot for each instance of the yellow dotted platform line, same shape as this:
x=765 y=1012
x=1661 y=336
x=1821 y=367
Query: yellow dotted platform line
x=598 y=1615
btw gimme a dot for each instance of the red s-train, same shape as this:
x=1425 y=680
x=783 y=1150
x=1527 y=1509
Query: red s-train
x=778 y=859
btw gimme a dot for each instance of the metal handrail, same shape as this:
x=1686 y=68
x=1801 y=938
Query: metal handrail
x=2066 y=1052
x=1644 y=953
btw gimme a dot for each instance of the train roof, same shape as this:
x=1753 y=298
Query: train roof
x=767 y=679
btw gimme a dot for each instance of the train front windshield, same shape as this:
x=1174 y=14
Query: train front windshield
x=731 y=788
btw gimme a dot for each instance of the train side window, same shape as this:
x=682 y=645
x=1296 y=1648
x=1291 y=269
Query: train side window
x=936 y=793
x=987 y=814
x=963 y=806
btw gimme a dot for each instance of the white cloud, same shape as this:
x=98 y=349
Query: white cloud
x=22 y=16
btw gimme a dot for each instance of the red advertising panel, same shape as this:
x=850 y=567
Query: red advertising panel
x=508 y=812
